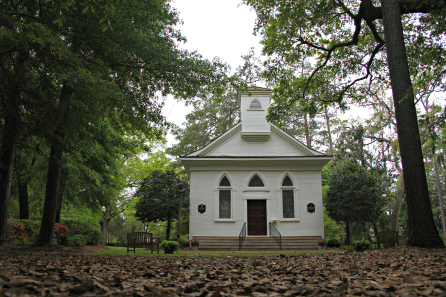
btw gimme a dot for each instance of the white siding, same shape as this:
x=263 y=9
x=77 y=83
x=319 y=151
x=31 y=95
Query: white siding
x=204 y=187
x=254 y=120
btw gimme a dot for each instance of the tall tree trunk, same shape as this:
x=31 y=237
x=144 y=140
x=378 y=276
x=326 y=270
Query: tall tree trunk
x=307 y=130
x=327 y=121
x=422 y=230
x=440 y=193
x=169 y=227
x=376 y=231
x=7 y=153
x=347 y=233
x=54 y=170
x=104 y=226
x=397 y=204
x=11 y=123
x=23 y=197
x=63 y=183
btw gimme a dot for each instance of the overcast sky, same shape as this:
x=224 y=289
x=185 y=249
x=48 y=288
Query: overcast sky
x=215 y=28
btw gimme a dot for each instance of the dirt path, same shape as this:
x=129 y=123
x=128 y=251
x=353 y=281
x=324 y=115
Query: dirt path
x=61 y=271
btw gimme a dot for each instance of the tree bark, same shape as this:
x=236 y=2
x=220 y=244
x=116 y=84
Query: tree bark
x=422 y=230
x=54 y=171
x=169 y=227
x=7 y=154
x=440 y=193
x=63 y=183
x=375 y=230
x=307 y=130
x=397 y=204
x=347 y=233
x=104 y=227
x=22 y=185
x=11 y=124
x=327 y=121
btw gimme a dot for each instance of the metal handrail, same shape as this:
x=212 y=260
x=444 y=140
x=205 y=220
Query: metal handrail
x=274 y=233
x=242 y=236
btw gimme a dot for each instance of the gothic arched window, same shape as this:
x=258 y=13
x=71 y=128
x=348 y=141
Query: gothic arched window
x=288 y=198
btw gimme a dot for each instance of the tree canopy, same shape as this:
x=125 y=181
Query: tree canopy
x=330 y=51
x=159 y=196
x=87 y=92
x=354 y=195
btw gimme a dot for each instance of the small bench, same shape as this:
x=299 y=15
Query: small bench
x=387 y=238
x=142 y=240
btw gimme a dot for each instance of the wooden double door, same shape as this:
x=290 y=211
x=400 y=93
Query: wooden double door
x=257 y=224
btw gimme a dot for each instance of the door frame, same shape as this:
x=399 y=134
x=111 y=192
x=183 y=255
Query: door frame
x=259 y=196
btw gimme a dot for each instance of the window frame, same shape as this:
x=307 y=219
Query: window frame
x=295 y=200
x=217 y=201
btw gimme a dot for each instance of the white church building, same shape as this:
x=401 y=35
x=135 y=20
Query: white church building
x=255 y=187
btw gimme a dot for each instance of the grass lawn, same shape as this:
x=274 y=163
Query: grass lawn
x=141 y=252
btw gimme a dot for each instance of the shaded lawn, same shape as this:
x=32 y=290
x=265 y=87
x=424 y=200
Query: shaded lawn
x=141 y=252
x=61 y=271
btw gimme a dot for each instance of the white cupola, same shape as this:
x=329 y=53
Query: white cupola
x=254 y=106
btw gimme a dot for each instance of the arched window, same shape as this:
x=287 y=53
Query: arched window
x=288 y=198
x=255 y=104
x=224 y=198
x=256 y=181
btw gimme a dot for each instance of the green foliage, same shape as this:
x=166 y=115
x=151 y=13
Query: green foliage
x=159 y=196
x=331 y=228
x=77 y=240
x=26 y=232
x=90 y=232
x=116 y=78
x=331 y=243
x=194 y=242
x=184 y=241
x=63 y=239
x=354 y=194
x=361 y=245
x=32 y=227
x=169 y=244
x=15 y=231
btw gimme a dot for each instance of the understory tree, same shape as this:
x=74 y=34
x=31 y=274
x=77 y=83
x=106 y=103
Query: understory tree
x=159 y=197
x=347 y=43
x=354 y=195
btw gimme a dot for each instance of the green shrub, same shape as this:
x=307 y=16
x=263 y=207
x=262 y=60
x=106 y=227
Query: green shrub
x=333 y=243
x=184 y=241
x=63 y=239
x=31 y=227
x=170 y=244
x=349 y=247
x=76 y=240
x=361 y=245
x=15 y=231
x=91 y=232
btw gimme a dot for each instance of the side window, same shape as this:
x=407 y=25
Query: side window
x=255 y=104
x=224 y=199
x=288 y=198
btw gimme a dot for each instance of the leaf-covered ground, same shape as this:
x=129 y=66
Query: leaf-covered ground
x=59 y=271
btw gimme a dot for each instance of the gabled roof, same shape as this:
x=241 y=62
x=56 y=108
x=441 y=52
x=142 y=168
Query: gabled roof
x=231 y=144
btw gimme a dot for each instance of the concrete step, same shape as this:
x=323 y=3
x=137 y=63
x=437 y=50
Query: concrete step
x=257 y=243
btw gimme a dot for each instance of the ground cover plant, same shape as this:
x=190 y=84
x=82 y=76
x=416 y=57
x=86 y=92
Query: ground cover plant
x=68 y=271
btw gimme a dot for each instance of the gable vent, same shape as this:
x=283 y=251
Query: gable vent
x=256 y=182
x=255 y=104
